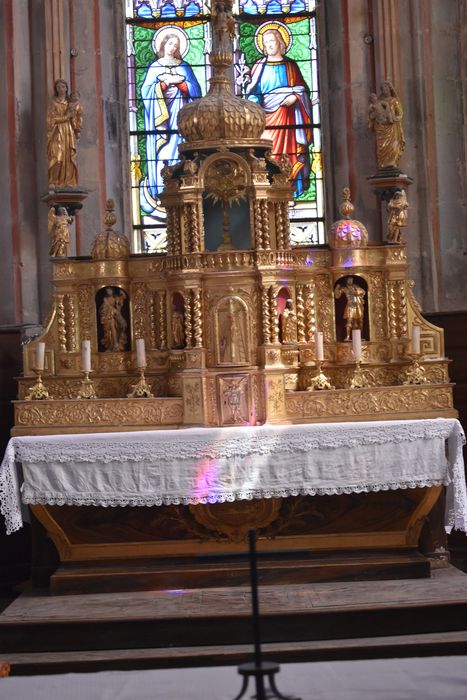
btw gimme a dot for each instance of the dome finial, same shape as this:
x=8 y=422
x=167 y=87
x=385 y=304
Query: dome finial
x=346 y=208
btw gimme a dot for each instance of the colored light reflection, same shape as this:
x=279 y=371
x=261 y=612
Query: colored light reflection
x=206 y=478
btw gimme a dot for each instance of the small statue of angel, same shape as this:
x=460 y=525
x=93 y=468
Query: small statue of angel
x=59 y=232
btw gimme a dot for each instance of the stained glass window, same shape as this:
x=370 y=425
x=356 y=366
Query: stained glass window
x=276 y=65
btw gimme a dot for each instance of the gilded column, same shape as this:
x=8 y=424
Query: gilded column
x=279 y=225
x=310 y=316
x=188 y=319
x=265 y=219
x=300 y=315
x=162 y=320
x=170 y=230
x=273 y=314
x=61 y=327
x=152 y=319
x=286 y=226
x=258 y=226
x=194 y=228
x=197 y=321
x=70 y=313
x=266 y=316
x=177 y=237
x=186 y=229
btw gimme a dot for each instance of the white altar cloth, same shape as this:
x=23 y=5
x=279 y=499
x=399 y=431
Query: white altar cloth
x=213 y=465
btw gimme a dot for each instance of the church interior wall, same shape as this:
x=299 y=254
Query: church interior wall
x=358 y=45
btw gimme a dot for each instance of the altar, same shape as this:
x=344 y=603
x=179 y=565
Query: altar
x=167 y=498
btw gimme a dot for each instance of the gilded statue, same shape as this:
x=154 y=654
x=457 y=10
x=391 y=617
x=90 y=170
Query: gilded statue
x=233 y=332
x=224 y=24
x=114 y=325
x=64 y=124
x=385 y=119
x=59 y=232
x=178 y=329
x=355 y=306
x=397 y=208
x=288 y=324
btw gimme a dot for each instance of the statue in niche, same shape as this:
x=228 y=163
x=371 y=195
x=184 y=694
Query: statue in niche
x=114 y=326
x=59 y=232
x=288 y=324
x=355 y=306
x=178 y=328
x=397 y=208
x=232 y=332
x=385 y=120
x=64 y=124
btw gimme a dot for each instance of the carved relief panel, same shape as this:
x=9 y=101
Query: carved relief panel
x=232 y=332
x=234 y=399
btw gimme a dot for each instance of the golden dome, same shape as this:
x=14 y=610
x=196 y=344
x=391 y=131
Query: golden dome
x=346 y=232
x=110 y=244
x=221 y=115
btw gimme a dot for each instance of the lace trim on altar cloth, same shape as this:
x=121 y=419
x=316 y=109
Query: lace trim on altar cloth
x=96 y=499
x=222 y=442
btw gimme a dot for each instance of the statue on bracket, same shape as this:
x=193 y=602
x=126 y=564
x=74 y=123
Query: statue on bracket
x=354 y=311
x=64 y=124
x=385 y=120
x=397 y=208
x=59 y=232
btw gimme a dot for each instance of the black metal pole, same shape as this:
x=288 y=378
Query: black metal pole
x=260 y=692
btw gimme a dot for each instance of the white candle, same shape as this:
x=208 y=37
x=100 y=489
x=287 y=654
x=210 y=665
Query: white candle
x=86 y=355
x=140 y=353
x=40 y=356
x=319 y=349
x=416 y=330
x=357 y=343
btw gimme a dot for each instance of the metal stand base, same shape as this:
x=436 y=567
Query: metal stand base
x=268 y=669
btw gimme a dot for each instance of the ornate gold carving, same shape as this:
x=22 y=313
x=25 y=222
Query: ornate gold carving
x=324 y=307
x=61 y=328
x=275 y=397
x=378 y=314
x=266 y=316
x=396 y=401
x=70 y=323
x=162 y=318
x=197 y=321
x=139 y=297
x=273 y=314
x=234 y=520
x=301 y=337
x=309 y=317
x=110 y=244
x=85 y=305
x=105 y=413
x=192 y=400
x=188 y=319
x=234 y=399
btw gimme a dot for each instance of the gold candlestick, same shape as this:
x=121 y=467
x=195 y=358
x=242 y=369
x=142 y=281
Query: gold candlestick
x=415 y=374
x=358 y=381
x=140 y=390
x=319 y=381
x=37 y=392
x=86 y=390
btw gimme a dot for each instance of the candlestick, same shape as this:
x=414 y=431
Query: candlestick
x=140 y=353
x=357 y=343
x=416 y=331
x=86 y=356
x=415 y=373
x=86 y=390
x=358 y=381
x=319 y=381
x=40 y=356
x=37 y=391
x=319 y=348
x=140 y=390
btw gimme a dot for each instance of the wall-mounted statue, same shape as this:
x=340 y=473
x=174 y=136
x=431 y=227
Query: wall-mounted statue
x=354 y=311
x=288 y=324
x=59 y=232
x=64 y=124
x=397 y=208
x=385 y=119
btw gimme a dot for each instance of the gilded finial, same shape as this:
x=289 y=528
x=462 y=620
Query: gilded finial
x=346 y=208
x=109 y=217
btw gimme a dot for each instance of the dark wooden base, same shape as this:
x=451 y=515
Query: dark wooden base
x=205 y=572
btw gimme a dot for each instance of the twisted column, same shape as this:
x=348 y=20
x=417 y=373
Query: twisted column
x=61 y=328
x=264 y=209
x=300 y=315
x=273 y=314
x=197 y=321
x=258 y=225
x=188 y=319
x=266 y=315
x=310 y=320
x=162 y=320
